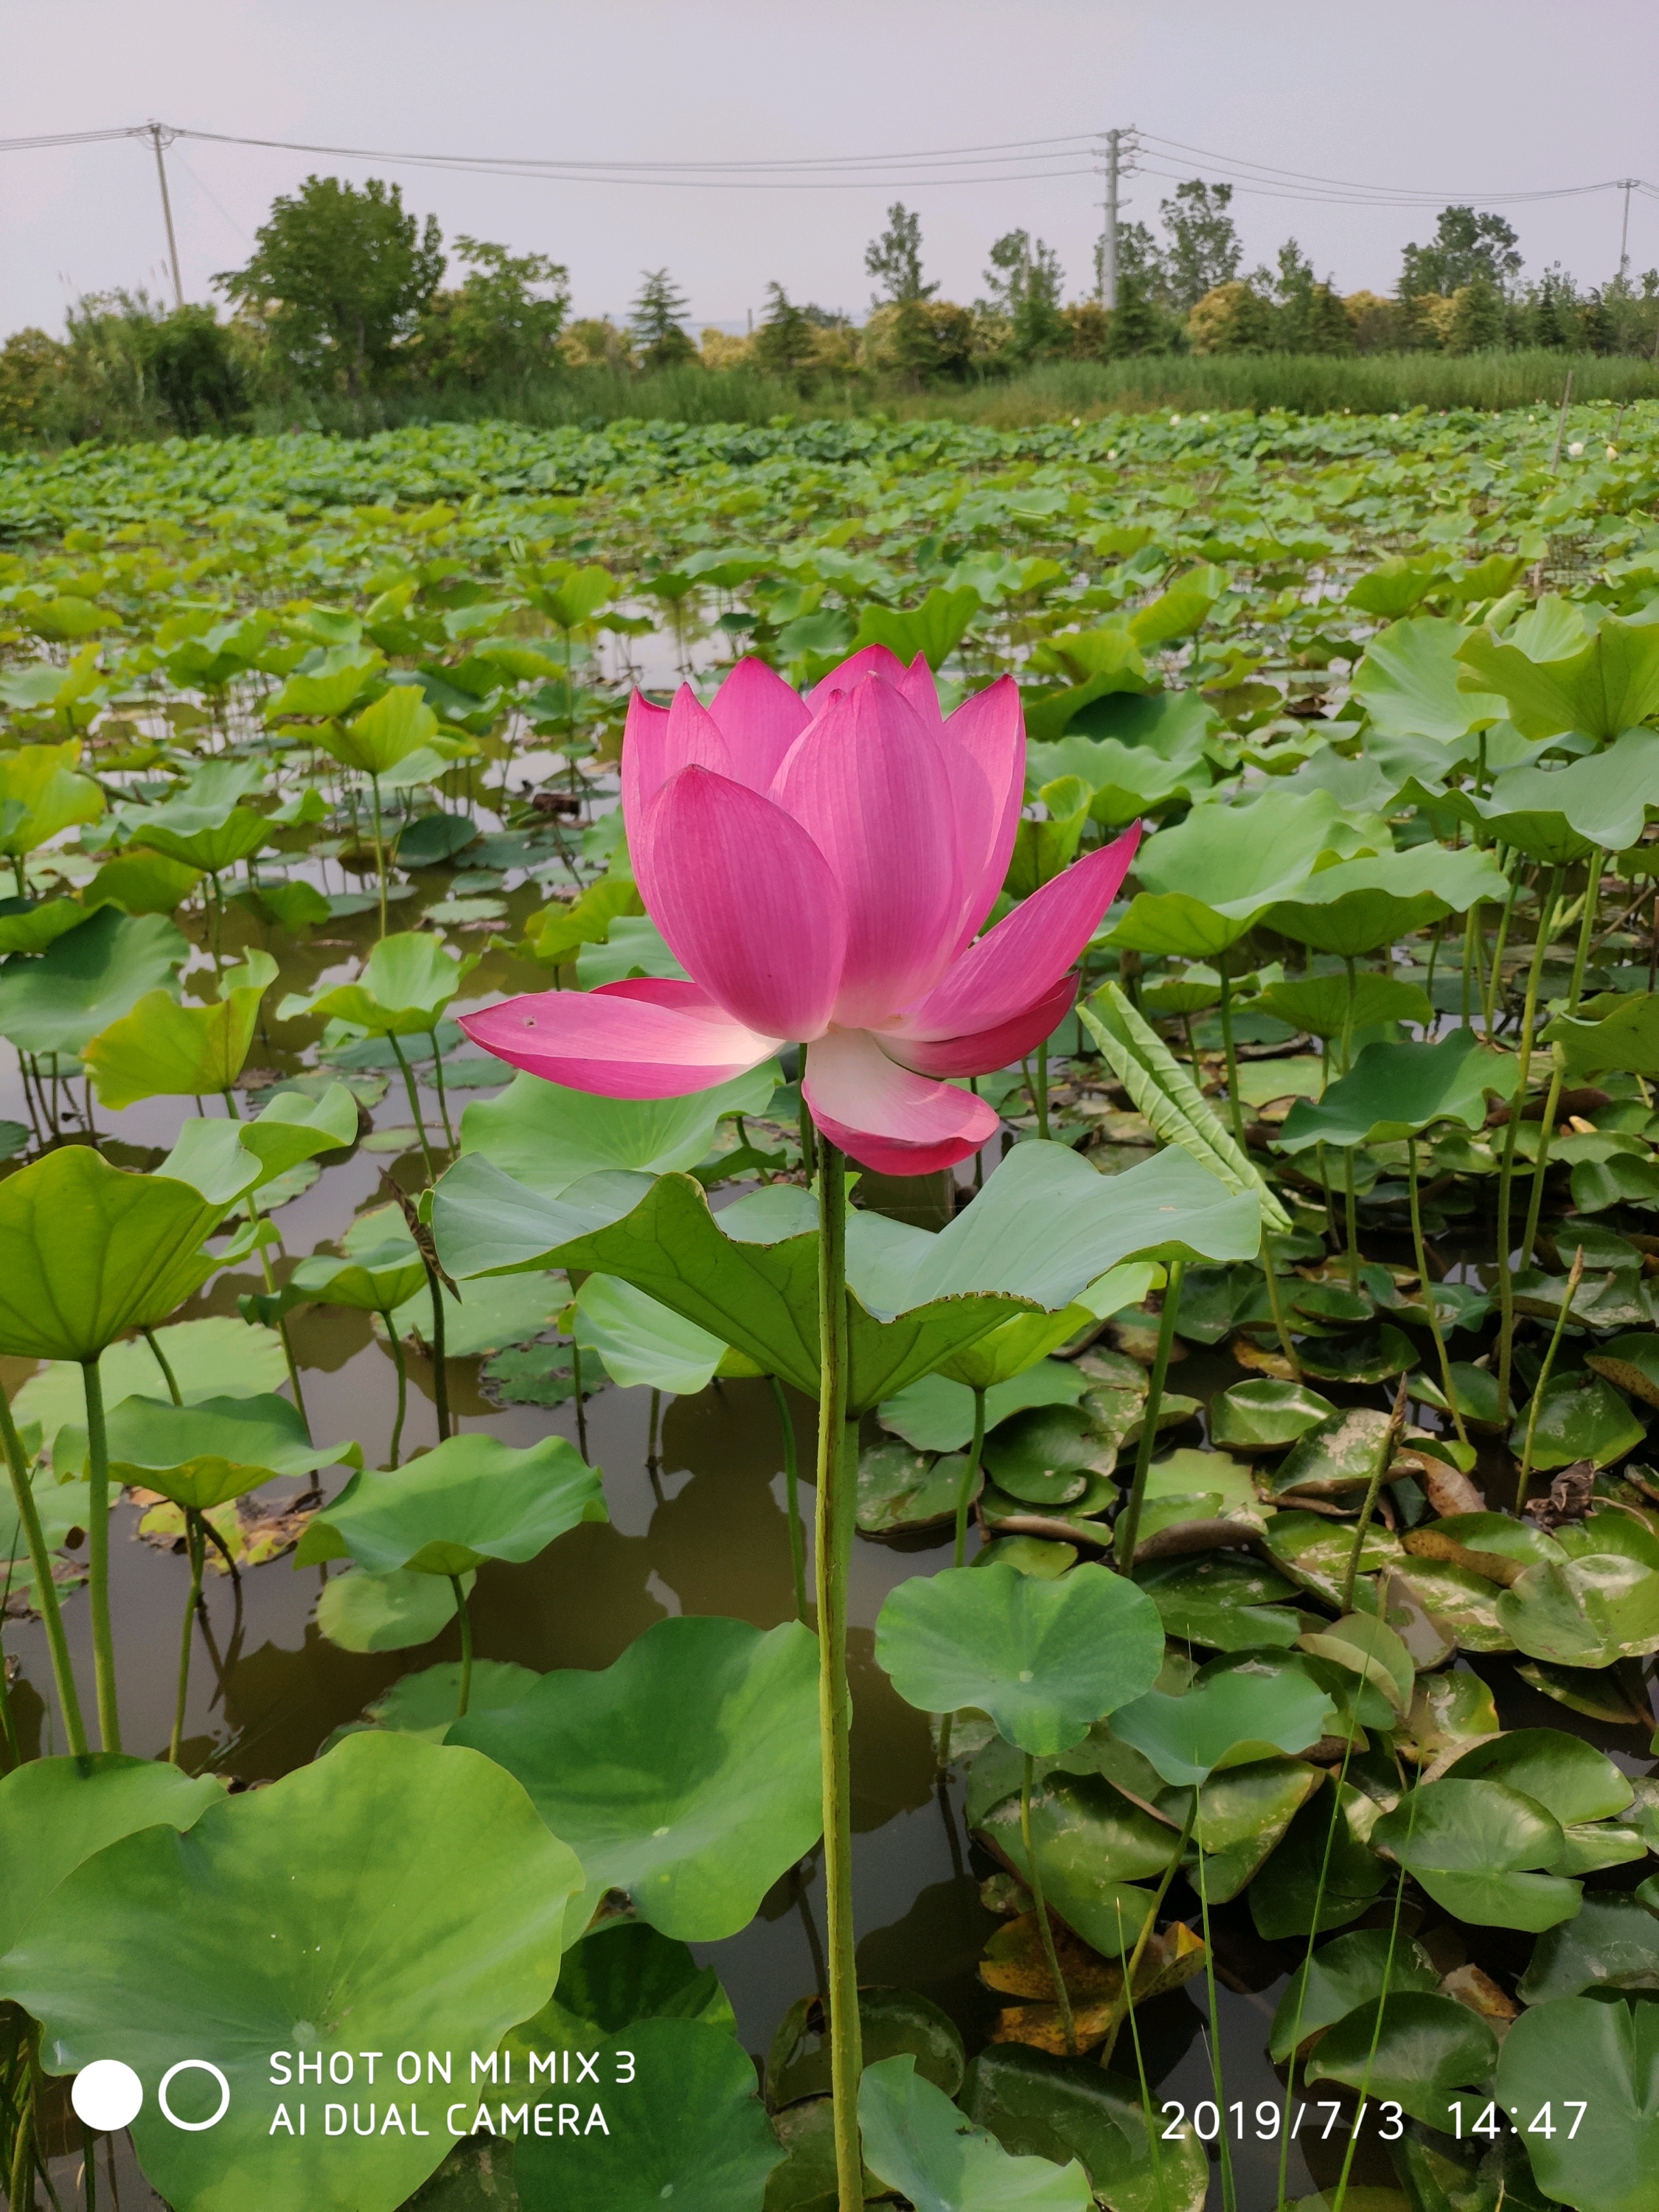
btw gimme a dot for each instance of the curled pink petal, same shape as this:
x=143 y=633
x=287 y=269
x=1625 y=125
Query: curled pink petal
x=984 y=744
x=869 y=660
x=747 y=902
x=682 y=735
x=886 y=1118
x=618 y=1044
x=1029 y=950
x=644 y=757
x=867 y=782
x=981 y=1050
x=759 y=716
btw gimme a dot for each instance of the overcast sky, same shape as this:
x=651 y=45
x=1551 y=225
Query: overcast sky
x=1468 y=98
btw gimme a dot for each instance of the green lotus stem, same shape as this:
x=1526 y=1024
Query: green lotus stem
x=103 y=1640
x=1350 y=1217
x=979 y=1157
x=160 y=1359
x=1235 y=1109
x=1547 y=1127
x=576 y=1382
x=1128 y=1522
x=399 y=1363
x=197 y=1549
x=1348 y=1012
x=1506 y=1172
x=379 y=848
x=792 y=1490
x=1575 y=1276
x=438 y=1084
x=414 y=1107
x=837 y=1493
x=293 y=1363
x=651 y=1433
x=45 y=1589
x=1229 y=2187
x=1341 y=2195
x=965 y=1489
x=1380 y=1468
x=1133 y=1966
x=440 y=1366
x=1040 y=1089
x=8 y=1722
x=809 y=1164
x=463 y=1613
x=1307 y=1956
x=1034 y=1875
x=1495 y=978
x=1472 y=936
x=1280 y=1328
x=1421 y=1252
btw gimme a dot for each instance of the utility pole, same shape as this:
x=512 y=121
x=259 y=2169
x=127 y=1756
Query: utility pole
x=1120 y=150
x=1626 y=184
x=160 y=136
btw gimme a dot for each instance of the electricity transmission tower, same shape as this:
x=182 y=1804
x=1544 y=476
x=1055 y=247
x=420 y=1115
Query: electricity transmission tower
x=1122 y=147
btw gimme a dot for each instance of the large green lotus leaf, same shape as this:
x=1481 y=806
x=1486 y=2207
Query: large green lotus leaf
x=641 y=1341
x=206 y=1454
x=915 y=2141
x=1243 y=857
x=937 y=1414
x=1265 y=1415
x=1612 y=1943
x=399 y=723
x=377 y=1279
x=385 y=1613
x=1243 y=1816
x=329 y=680
x=686 y=1774
x=1047 y=1455
x=92 y=1251
x=293 y=1127
x=1607 y=683
x=1604 y=2057
x=1223 y=1601
x=687 y=2127
x=1320 y=1004
x=621 y=1972
x=41 y=783
x=1039 y=2107
x=1324 y=1856
x=1124 y=781
x=547 y=1137
x=405 y=984
x=56 y=1812
x=493 y=1312
x=1605 y=797
x=162 y=1050
x=1358 y=905
x=1225 y=1719
x=149 y=882
x=212 y=1358
x=1427 y=2046
x=470 y=1499
x=1393 y=1091
x=799 y=2063
x=26 y=927
x=87 y=979
x=1587 y=1611
x=1340 y=1975
x=199 y=835
x=1409 y=681
x=1472 y=1845
x=1000 y=1357
x=395 y=1895
x=1624 y=1037
x=1542 y=833
x=1566 y=1776
x=1580 y=1417
x=485 y=1223
x=1093 y=1847
x=425 y=1702
x=1044 y=1659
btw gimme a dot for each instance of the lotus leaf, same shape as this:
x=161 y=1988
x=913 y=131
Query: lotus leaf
x=1631 y=1362
x=1339 y=1976
x=1580 y=1417
x=205 y=1454
x=937 y=1414
x=621 y=1971
x=687 y=1773
x=1488 y=1544
x=1093 y=1847
x=1243 y=1815
x=385 y=1613
x=209 y=1358
x=1057 y=2109
x=1325 y=1856
x=547 y=1137
x=892 y=2021
x=1335 y=1459
x=1565 y=1775
x=1473 y=1845
x=1265 y=1414
x=405 y=984
x=1612 y=1944
x=915 y=2140
x=379 y=1279
x=424 y=1703
x=1587 y=1611
x=162 y=1050
x=1045 y=1455
x=1044 y=1659
x=1226 y=1602
x=1321 y=1005
x=421 y=1903
x=41 y=783
x=1623 y=1035
x=641 y=1341
x=1427 y=2047
x=471 y=1498
x=87 y=979
x=1607 y=2057
x=1359 y=905
x=1314 y=1553
x=1407 y=678
x=1246 y=858
x=1600 y=684
x=26 y=927
x=1225 y=1719
x=1465 y=1604
x=1396 y=1091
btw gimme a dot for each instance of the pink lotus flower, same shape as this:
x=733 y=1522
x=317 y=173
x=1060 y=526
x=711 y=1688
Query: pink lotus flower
x=819 y=867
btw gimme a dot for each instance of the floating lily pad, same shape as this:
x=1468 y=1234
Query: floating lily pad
x=385 y=1613
x=1060 y=2109
x=1244 y=1813
x=1587 y=1612
x=1476 y=1391
x=1044 y=1659
x=1223 y=1601
x=900 y=1488
x=531 y=1375
x=687 y=1773
x=1333 y=1460
x=1582 y=1417
x=1476 y=1847
x=1352 y=1971
x=1266 y=1415
x=1315 y=1552
x=1372 y=1356
x=1607 y=2057
x=1605 y=1696
x=937 y=1414
x=1324 y=1856
x=1092 y=1846
x=1566 y=1776
x=1612 y=1943
x=1466 y=1604
x=1491 y=1545
x=1045 y=1455
x=892 y=2021
x=915 y=2141
x=1425 y=2048
x=1225 y=1719
x=1454 y=1707
x=1631 y=1362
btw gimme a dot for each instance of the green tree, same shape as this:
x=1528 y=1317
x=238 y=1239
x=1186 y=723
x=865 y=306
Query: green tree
x=343 y=278
x=1465 y=246
x=1308 y=317
x=1550 y=312
x=655 y=322
x=504 y=320
x=1025 y=280
x=894 y=259
x=198 y=377
x=1204 y=249
x=785 y=343
x=30 y=366
x=1477 y=321
x=1139 y=323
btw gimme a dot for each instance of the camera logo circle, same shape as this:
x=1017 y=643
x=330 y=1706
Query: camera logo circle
x=195 y=2066
x=106 y=2095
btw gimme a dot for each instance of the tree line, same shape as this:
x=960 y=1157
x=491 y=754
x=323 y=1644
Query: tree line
x=348 y=293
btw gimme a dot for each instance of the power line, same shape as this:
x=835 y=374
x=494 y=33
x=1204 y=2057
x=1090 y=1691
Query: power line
x=1275 y=182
